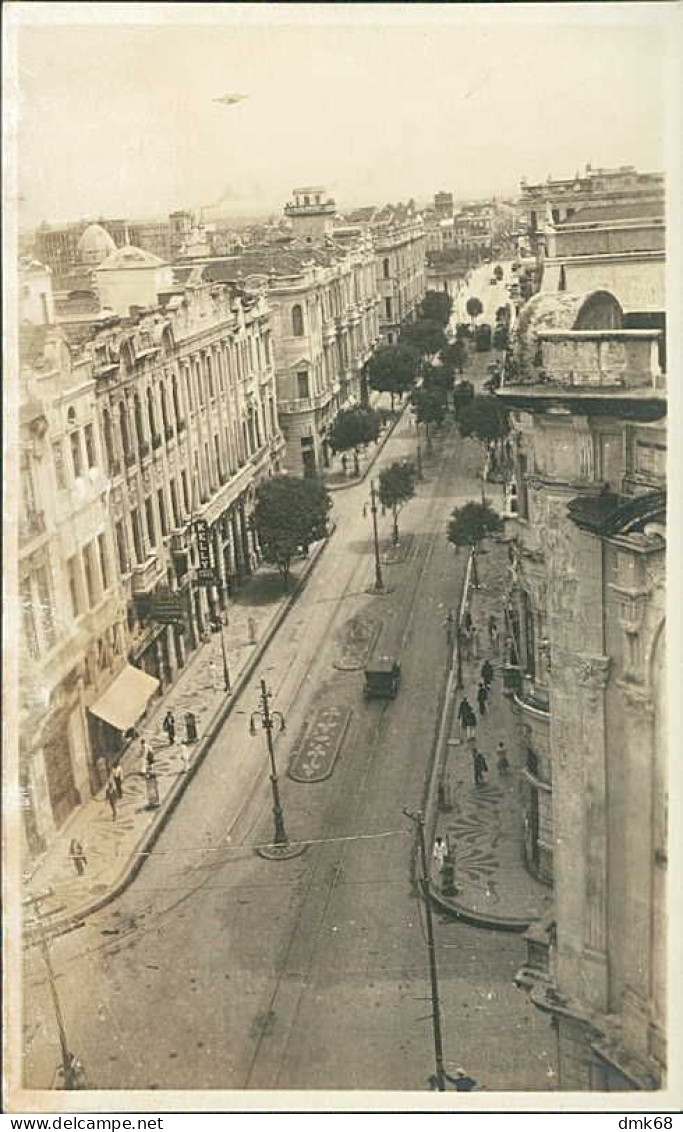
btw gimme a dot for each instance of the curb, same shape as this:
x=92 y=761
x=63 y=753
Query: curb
x=479 y=919
x=141 y=850
x=333 y=761
x=360 y=479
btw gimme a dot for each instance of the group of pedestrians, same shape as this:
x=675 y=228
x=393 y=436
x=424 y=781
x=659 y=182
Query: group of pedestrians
x=467 y=716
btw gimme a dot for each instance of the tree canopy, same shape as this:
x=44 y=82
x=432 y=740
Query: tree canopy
x=474 y=307
x=483 y=417
x=455 y=355
x=354 y=427
x=438 y=378
x=426 y=336
x=396 y=487
x=289 y=514
x=436 y=307
x=392 y=369
x=472 y=523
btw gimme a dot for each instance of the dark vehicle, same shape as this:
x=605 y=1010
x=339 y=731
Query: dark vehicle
x=483 y=337
x=382 y=678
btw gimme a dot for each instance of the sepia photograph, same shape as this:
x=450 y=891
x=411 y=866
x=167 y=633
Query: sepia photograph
x=338 y=746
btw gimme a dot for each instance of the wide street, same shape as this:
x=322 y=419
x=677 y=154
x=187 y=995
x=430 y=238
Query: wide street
x=218 y=969
x=491 y=295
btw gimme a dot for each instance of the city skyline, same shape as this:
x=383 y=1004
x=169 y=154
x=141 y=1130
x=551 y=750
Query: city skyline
x=492 y=86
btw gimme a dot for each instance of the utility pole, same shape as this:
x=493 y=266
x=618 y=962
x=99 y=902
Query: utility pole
x=379 y=582
x=268 y=719
x=70 y=1066
x=418 y=820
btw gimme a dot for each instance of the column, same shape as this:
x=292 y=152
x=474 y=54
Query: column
x=245 y=540
x=240 y=569
x=171 y=652
x=219 y=561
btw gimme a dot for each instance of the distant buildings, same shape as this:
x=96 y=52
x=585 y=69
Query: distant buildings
x=585 y=623
x=443 y=205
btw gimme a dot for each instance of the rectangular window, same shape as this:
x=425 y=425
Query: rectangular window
x=90 y=446
x=122 y=548
x=218 y=453
x=163 y=518
x=137 y=535
x=76 y=453
x=89 y=571
x=186 y=492
x=174 y=503
x=60 y=467
x=302 y=385
x=46 y=605
x=28 y=619
x=149 y=516
x=104 y=561
x=74 y=588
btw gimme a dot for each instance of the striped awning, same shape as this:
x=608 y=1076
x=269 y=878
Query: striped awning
x=126 y=698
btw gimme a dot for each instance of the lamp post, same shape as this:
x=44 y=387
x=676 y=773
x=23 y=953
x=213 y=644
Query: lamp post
x=268 y=718
x=418 y=820
x=224 y=651
x=379 y=582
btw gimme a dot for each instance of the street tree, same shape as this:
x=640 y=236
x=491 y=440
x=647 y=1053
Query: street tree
x=469 y=526
x=474 y=308
x=430 y=408
x=353 y=428
x=498 y=271
x=289 y=514
x=396 y=487
x=438 y=378
x=484 y=418
x=425 y=336
x=501 y=338
x=393 y=369
x=436 y=307
x=455 y=355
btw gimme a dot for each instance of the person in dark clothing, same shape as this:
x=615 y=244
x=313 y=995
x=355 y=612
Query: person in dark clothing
x=480 y=768
x=467 y=619
x=77 y=856
x=487 y=673
x=169 y=726
x=482 y=697
x=464 y=712
x=462 y=1081
x=471 y=723
x=110 y=795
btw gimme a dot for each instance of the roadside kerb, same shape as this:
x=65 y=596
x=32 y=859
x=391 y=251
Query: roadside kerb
x=359 y=479
x=57 y=927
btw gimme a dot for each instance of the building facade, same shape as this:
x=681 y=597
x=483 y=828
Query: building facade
x=73 y=639
x=585 y=622
x=400 y=249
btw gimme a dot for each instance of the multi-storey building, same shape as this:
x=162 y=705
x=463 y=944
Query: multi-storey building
x=586 y=648
x=73 y=633
x=143 y=442
x=400 y=247
x=443 y=205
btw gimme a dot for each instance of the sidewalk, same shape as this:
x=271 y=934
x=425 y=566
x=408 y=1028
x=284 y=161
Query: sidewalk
x=485 y=824
x=115 y=849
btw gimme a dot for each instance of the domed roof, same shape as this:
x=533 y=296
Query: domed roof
x=95 y=244
x=563 y=310
x=130 y=256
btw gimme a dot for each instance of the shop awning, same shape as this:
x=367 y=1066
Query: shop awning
x=126 y=698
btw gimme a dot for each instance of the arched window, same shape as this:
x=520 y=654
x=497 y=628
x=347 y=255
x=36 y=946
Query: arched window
x=297 y=321
x=151 y=416
x=139 y=427
x=108 y=439
x=125 y=432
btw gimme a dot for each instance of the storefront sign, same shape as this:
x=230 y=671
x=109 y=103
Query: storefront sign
x=166 y=608
x=205 y=575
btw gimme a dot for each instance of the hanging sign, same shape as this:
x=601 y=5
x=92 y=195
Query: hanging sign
x=205 y=575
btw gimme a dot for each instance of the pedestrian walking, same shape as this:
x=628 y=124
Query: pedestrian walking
x=464 y=712
x=365 y=510
x=492 y=625
x=467 y=618
x=448 y=625
x=494 y=637
x=480 y=768
x=110 y=795
x=462 y=1081
x=77 y=856
x=344 y=464
x=117 y=779
x=471 y=724
x=169 y=726
x=482 y=697
x=440 y=852
x=487 y=673
x=468 y=638
x=502 y=758
x=146 y=758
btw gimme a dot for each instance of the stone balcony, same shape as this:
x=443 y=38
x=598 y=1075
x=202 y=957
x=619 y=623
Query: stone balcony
x=146 y=575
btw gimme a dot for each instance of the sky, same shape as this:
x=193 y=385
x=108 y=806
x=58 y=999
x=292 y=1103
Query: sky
x=375 y=102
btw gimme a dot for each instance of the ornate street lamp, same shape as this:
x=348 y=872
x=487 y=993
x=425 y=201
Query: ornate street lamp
x=281 y=847
x=379 y=581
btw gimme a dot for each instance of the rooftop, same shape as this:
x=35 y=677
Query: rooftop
x=626 y=211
